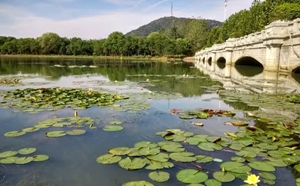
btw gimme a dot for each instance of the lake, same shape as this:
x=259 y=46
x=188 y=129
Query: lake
x=157 y=94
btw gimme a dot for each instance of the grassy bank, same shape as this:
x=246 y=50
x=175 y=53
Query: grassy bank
x=162 y=59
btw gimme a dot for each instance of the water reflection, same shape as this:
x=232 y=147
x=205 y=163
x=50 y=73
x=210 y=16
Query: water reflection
x=251 y=78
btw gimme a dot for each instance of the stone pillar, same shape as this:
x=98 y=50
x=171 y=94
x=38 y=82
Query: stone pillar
x=227 y=71
x=213 y=61
x=272 y=57
x=271 y=82
x=229 y=46
x=275 y=33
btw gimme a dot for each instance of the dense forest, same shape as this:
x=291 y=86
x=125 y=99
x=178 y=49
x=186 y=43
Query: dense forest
x=179 y=37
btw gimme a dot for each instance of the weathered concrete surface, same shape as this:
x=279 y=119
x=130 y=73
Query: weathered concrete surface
x=277 y=48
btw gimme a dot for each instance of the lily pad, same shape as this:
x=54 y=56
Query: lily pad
x=223 y=176
x=147 y=151
x=191 y=176
x=55 y=134
x=128 y=164
x=115 y=122
x=161 y=157
x=26 y=151
x=209 y=146
x=30 y=129
x=183 y=157
x=267 y=175
x=145 y=144
x=112 y=128
x=76 y=132
x=9 y=160
x=204 y=159
x=154 y=165
x=235 y=167
x=14 y=133
x=119 y=151
x=7 y=154
x=40 y=157
x=23 y=160
x=212 y=182
x=138 y=183
x=262 y=166
x=172 y=148
x=108 y=159
x=159 y=176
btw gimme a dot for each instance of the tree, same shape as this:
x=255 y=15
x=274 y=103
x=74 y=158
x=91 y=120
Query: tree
x=49 y=43
x=285 y=11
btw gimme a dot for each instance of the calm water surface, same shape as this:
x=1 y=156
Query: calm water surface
x=73 y=158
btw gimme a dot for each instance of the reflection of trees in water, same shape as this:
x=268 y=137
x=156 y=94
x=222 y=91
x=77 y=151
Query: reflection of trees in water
x=238 y=105
x=166 y=77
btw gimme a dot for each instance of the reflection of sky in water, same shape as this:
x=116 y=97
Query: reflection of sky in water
x=73 y=158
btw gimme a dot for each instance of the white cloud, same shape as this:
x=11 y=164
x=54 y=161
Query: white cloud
x=23 y=23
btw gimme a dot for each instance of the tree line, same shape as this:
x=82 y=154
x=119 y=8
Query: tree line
x=182 y=39
x=117 y=44
x=260 y=14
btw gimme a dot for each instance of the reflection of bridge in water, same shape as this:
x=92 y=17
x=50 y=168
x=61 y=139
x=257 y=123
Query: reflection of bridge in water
x=250 y=78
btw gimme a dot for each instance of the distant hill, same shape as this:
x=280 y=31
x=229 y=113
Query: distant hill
x=165 y=24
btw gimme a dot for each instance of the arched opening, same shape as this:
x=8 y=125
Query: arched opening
x=200 y=59
x=209 y=61
x=203 y=60
x=221 y=62
x=248 y=66
x=296 y=74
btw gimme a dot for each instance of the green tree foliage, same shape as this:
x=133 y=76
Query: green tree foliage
x=49 y=43
x=286 y=11
x=260 y=14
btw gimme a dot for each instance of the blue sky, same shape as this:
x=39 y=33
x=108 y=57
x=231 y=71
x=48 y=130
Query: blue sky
x=94 y=19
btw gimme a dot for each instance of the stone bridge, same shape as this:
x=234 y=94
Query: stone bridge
x=276 y=48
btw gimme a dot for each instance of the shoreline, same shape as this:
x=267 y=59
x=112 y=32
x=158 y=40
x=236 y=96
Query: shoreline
x=148 y=58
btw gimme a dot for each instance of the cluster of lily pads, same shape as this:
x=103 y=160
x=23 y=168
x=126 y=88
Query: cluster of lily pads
x=50 y=99
x=131 y=106
x=10 y=81
x=201 y=113
x=76 y=123
x=9 y=157
x=252 y=150
x=113 y=126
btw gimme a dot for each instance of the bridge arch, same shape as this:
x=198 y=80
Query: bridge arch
x=248 y=61
x=203 y=60
x=209 y=61
x=221 y=62
x=242 y=66
x=296 y=73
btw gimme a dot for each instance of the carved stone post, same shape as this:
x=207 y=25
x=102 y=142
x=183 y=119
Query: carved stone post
x=276 y=32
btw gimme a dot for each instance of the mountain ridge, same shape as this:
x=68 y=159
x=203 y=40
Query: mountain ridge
x=164 y=24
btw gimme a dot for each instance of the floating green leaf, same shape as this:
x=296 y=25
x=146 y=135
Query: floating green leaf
x=209 y=146
x=119 y=151
x=262 y=166
x=147 y=151
x=14 y=133
x=212 y=182
x=267 y=175
x=30 y=129
x=223 y=176
x=138 y=183
x=145 y=144
x=128 y=164
x=154 y=165
x=161 y=157
x=7 y=154
x=108 y=159
x=76 y=132
x=23 y=160
x=183 y=157
x=159 y=176
x=55 y=134
x=115 y=122
x=235 y=167
x=40 y=157
x=191 y=176
x=9 y=160
x=173 y=148
x=112 y=128
x=204 y=159
x=26 y=151
x=238 y=159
